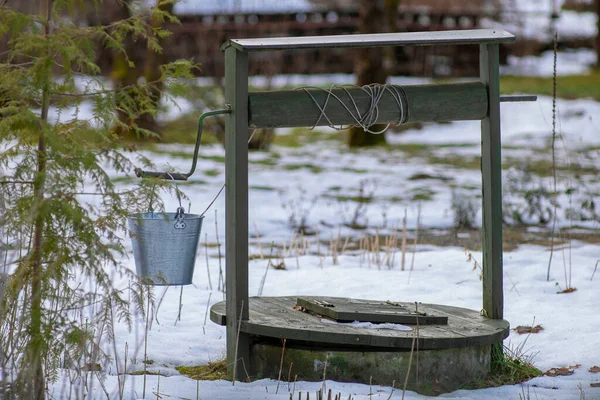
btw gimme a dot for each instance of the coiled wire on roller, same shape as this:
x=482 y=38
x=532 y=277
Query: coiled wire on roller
x=365 y=120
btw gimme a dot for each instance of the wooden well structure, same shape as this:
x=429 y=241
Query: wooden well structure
x=455 y=340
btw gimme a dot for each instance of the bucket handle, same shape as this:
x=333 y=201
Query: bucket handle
x=178 y=176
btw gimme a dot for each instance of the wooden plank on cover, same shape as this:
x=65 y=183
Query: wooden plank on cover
x=349 y=310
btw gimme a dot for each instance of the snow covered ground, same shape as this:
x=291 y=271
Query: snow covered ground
x=324 y=175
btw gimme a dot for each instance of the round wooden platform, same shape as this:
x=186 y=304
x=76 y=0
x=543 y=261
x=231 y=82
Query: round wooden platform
x=279 y=318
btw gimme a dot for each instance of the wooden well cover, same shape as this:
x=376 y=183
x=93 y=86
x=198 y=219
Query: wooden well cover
x=348 y=310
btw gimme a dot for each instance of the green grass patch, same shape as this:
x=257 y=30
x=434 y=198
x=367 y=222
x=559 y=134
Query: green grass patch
x=185 y=129
x=219 y=159
x=568 y=87
x=123 y=179
x=212 y=371
x=262 y=188
x=212 y=172
x=513 y=368
x=299 y=137
x=465 y=162
x=354 y=170
x=425 y=150
x=315 y=169
x=356 y=199
x=269 y=162
x=147 y=373
x=543 y=167
x=422 y=194
x=192 y=183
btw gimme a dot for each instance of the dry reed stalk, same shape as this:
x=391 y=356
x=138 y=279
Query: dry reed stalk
x=594 y=272
x=333 y=249
x=371 y=253
x=317 y=238
x=158 y=386
x=221 y=285
x=125 y=365
x=323 y=388
x=260 y=252
x=392 y=392
x=412 y=261
x=237 y=342
x=345 y=244
x=292 y=244
x=553 y=146
x=417 y=333
x=294 y=385
x=388 y=250
x=337 y=247
x=145 y=341
x=180 y=305
x=280 y=367
x=404 y=240
x=303 y=242
x=264 y=278
x=376 y=247
x=394 y=245
x=206 y=313
x=206 y=255
x=360 y=253
x=360 y=248
x=290 y=375
x=367 y=247
x=297 y=256
x=412 y=348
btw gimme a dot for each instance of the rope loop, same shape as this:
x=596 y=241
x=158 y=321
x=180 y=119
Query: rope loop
x=366 y=120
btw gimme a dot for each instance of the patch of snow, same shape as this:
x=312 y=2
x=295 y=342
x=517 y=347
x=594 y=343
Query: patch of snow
x=570 y=62
x=370 y=325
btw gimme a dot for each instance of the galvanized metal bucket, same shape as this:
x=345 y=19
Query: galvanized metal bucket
x=164 y=246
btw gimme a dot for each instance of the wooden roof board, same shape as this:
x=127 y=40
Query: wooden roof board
x=276 y=317
x=454 y=37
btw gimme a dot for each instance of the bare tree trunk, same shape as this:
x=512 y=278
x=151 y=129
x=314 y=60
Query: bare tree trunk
x=123 y=75
x=35 y=384
x=375 y=16
x=152 y=63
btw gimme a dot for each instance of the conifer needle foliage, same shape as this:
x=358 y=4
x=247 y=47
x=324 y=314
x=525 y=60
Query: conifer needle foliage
x=62 y=219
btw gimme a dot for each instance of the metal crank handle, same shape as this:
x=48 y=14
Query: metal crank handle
x=179 y=176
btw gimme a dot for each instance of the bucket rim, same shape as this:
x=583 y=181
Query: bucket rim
x=168 y=214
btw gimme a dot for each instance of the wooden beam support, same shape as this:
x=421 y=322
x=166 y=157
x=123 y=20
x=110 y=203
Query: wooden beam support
x=491 y=160
x=236 y=210
x=421 y=103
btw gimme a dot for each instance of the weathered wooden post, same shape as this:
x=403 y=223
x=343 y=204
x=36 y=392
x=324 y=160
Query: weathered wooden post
x=491 y=172
x=478 y=100
x=236 y=208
